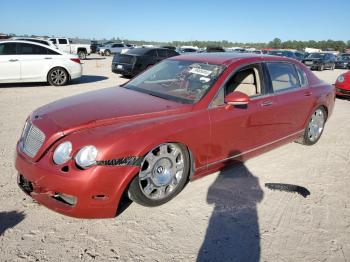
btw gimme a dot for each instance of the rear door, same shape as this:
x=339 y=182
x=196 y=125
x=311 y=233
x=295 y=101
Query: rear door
x=10 y=69
x=35 y=61
x=293 y=97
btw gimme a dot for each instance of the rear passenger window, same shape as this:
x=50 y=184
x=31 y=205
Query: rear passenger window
x=283 y=76
x=53 y=41
x=302 y=77
x=28 y=49
x=8 y=49
x=171 y=53
x=162 y=53
x=152 y=53
x=118 y=45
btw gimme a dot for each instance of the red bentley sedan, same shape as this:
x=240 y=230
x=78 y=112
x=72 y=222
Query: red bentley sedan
x=184 y=118
x=342 y=85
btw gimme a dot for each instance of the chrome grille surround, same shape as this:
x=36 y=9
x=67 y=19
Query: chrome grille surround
x=32 y=139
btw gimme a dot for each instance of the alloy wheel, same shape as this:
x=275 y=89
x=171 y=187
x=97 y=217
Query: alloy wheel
x=316 y=125
x=58 y=76
x=161 y=171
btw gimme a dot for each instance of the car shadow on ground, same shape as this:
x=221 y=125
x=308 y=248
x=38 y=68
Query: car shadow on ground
x=88 y=79
x=9 y=220
x=233 y=230
x=94 y=58
x=24 y=85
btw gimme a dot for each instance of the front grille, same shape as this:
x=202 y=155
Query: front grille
x=32 y=139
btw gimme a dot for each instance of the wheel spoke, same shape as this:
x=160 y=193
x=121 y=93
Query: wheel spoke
x=163 y=149
x=148 y=189
x=145 y=174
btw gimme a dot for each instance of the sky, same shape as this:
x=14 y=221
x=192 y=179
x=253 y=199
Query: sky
x=165 y=21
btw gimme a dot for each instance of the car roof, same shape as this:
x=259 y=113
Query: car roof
x=227 y=58
x=33 y=43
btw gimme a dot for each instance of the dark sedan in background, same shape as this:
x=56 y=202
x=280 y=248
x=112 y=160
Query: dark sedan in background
x=320 y=61
x=286 y=53
x=139 y=59
x=343 y=62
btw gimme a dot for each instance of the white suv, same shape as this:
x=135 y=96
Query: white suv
x=24 y=61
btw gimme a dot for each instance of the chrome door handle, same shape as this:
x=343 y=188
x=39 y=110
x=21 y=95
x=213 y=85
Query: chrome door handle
x=308 y=93
x=13 y=60
x=266 y=103
x=48 y=57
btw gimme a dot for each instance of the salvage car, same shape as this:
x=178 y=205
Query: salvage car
x=320 y=61
x=27 y=61
x=342 y=85
x=185 y=117
x=137 y=60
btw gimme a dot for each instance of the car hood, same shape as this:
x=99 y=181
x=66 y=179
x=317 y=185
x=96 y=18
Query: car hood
x=102 y=107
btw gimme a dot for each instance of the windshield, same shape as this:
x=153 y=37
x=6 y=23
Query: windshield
x=181 y=81
x=316 y=55
x=344 y=58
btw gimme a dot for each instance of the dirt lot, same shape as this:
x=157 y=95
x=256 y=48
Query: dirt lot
x=227 y=216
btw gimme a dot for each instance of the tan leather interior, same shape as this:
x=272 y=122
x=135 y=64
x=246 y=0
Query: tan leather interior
x=247 y=82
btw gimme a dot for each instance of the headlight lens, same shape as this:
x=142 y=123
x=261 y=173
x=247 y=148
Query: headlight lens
x=62 y=153
x=86 y=156
x=341 y=79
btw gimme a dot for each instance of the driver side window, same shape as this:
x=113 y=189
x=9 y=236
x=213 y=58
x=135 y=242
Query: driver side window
x=246 y=80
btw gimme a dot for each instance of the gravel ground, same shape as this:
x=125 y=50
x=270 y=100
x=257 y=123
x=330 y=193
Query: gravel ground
x=214 y=218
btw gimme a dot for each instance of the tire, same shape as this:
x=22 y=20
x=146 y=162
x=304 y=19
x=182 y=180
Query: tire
x=163 y=174
x=321 y=67
x=82 y=55
x=333 y=67
x=58 y=76
x=107 y=52
x=314 y=128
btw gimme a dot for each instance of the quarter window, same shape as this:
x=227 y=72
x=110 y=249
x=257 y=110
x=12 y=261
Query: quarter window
x=283 y=76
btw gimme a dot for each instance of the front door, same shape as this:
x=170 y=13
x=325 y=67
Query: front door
x=238 y=130
x=10 y=69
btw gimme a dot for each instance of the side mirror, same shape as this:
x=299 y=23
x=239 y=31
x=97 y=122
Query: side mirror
x=237 y=99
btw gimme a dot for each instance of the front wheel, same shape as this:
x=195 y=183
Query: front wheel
x=107 y=53
x=58 y=76
x=314 y=129
x=321 y=67
x=163 y=174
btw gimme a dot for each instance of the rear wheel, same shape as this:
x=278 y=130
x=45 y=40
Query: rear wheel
x=82 y=55
x=163 y=174
x=321 y=67
x=107 y=52
x=58 y=76
x=314 y=129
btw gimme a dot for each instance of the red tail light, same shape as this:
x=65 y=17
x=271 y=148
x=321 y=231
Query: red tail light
x=77 y=60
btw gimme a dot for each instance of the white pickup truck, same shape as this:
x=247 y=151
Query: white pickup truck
x=64 y=44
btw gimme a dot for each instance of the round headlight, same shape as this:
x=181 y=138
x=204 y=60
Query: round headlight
x=86 y=156
x=62 y=153
x=341 y=79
